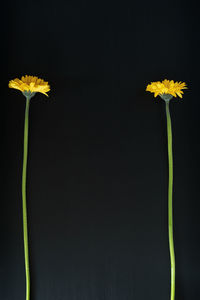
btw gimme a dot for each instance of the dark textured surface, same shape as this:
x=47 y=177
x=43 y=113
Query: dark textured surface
x=97 y=170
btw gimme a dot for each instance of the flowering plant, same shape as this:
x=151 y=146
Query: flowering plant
x=167 y=89
x=29 y=86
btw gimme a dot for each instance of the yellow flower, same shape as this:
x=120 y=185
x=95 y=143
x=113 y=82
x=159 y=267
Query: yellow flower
x=166 y=89
x=29 y=85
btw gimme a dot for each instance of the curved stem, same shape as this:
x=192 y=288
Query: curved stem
x=170 y=206
x=24 y=208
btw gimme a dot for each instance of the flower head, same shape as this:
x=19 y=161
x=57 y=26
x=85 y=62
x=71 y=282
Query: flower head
x=29 y=85
x=166 y=89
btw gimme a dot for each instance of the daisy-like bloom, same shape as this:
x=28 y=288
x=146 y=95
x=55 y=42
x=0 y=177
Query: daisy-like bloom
x=166 y=89
x=29 y=85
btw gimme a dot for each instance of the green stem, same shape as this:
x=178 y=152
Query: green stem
x=170 y=206
x=25 y=227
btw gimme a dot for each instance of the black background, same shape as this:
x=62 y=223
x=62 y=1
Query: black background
x=97 y=170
